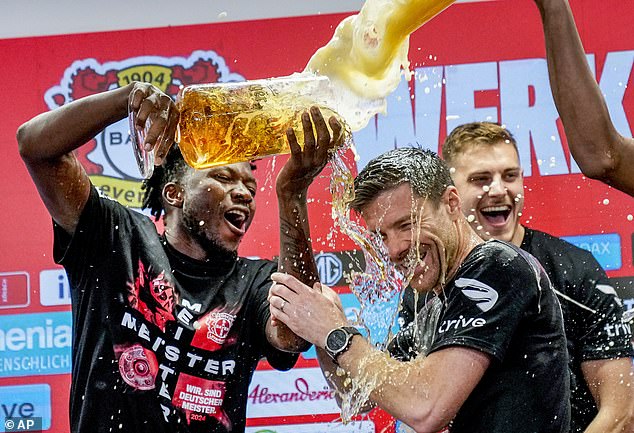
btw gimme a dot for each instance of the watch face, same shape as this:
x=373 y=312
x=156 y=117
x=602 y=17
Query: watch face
x=337 y=340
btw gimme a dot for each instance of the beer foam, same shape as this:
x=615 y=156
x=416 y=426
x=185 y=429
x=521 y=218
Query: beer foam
x=368 y=55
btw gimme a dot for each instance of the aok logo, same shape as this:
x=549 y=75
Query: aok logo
x=109 y=159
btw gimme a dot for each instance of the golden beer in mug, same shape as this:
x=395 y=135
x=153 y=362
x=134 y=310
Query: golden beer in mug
x=224 y=123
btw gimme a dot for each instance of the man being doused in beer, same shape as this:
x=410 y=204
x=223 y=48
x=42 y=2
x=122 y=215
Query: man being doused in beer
x=168 y=328
x=497 y=361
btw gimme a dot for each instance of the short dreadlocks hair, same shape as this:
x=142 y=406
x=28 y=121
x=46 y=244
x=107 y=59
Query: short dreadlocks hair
x=172 y=170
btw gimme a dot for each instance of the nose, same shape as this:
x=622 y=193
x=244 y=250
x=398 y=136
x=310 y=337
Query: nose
x=241 y=193
x=496 y=188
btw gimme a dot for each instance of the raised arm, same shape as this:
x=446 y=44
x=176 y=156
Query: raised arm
x=47 y=142
x=601 y=152
x=296 y=251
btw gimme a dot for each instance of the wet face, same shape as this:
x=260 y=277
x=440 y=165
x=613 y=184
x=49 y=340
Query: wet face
x=219 y=206
x=419 y=236
x=490 y=182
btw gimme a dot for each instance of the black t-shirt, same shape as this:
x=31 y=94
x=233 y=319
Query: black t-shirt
x=591 y=335
x=161 y=342
x=500 y=302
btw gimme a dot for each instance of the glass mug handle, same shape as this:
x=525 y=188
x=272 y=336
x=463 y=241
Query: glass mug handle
x=144 y=159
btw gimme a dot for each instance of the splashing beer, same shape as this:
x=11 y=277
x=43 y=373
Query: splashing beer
x=352 y=74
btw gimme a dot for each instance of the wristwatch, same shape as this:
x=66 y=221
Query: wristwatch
x=338 y=341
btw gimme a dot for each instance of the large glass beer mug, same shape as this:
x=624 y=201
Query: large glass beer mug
x=224 y=123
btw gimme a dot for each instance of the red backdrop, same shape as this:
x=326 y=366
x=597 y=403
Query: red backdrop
x=481 y=60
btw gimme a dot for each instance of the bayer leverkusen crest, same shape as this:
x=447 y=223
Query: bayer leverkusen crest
x=109 y=158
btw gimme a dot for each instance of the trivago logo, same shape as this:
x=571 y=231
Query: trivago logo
x=33 y=344
x=109 y=158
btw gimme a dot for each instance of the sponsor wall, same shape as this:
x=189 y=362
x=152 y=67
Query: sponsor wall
x=476 y=61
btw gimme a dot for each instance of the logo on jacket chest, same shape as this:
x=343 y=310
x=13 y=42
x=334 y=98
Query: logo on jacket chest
x=218 y=326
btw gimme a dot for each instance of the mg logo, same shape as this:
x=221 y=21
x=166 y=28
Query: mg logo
x=54 y=287
x=330 y=268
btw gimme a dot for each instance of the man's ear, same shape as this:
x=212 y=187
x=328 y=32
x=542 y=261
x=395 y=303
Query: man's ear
x=451 y=199
x=173 y=194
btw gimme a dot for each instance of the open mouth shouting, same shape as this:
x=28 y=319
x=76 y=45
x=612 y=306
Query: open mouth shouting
x=496 y=216
x=237 y=219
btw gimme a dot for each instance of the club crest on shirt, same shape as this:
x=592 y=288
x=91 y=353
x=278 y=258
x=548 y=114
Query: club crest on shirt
x=482 y=294
x=218 y=326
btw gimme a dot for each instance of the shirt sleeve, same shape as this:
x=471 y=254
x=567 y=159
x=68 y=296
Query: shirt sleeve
x=278 y=359
x=83 y=243
x=602 y=333
x=89 y=248
x=486 y=302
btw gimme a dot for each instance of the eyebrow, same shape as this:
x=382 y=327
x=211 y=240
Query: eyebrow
x=399 y=221
x=231 y=170
x=488 y=172
x=476 y=173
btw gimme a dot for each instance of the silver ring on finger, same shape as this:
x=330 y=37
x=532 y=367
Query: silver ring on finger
x=282 y=305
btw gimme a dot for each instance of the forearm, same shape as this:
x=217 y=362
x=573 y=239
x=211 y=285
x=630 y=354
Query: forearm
x=612 y=386
x=53 y=134
x=296 y=251
x=338 y=379
x=329 y=369
x=584 y=114
x=607 y=421
x=405 y=390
